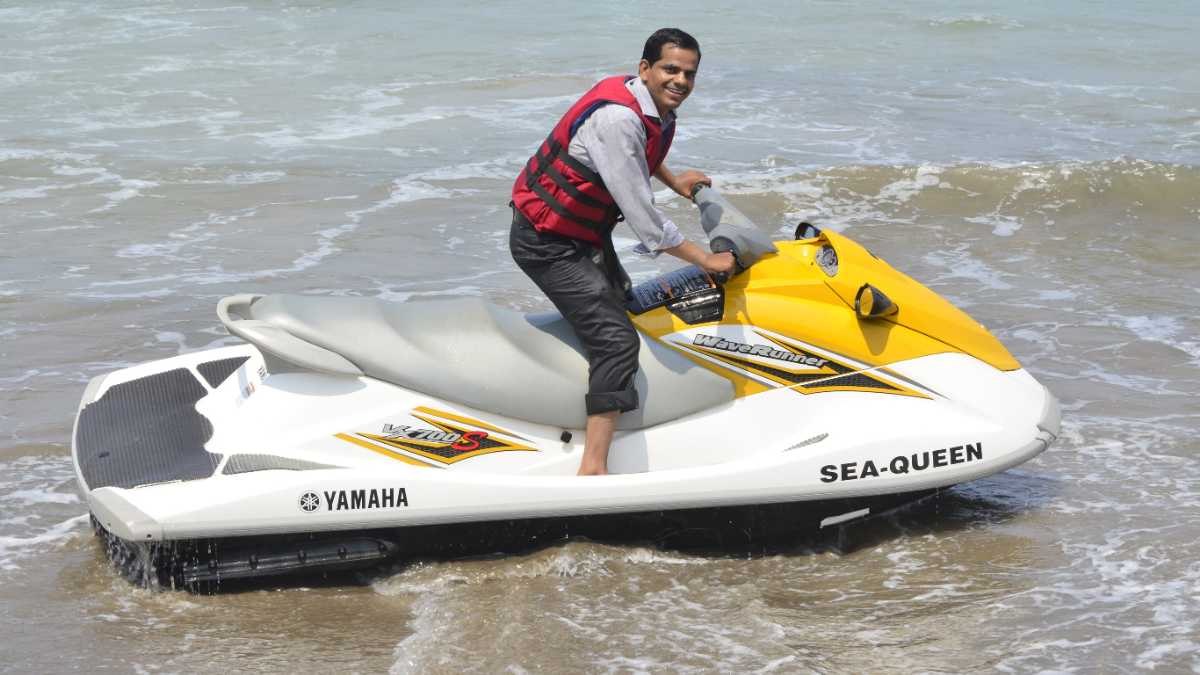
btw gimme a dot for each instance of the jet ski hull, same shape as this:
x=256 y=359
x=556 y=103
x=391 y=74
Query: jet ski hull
x=347 y=426
x=227 y=563
x=157 y=470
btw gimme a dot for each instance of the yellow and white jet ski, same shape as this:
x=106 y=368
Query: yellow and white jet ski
x=818 y=375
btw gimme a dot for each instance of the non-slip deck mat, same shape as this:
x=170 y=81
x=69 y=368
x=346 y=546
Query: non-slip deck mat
x=215 y=372
x=250 y=463
x=145 y=431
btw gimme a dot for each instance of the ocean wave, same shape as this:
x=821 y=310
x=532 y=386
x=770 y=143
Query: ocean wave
x=1000 y=197
x=569 y=560
x=974 y=22
x=254 y=177
x=449 y=598
x=13 y=549
x=39 y=513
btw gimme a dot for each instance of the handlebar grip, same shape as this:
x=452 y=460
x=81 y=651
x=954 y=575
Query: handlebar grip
x=726 y=245
x=722 y=245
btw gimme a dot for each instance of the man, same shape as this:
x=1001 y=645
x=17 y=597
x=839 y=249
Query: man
x=594 y=169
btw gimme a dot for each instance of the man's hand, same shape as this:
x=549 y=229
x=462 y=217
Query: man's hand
x=686 y=182
x=719 y=263
x=713 y=263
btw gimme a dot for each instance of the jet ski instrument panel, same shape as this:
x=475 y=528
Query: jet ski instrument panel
x=689 y=293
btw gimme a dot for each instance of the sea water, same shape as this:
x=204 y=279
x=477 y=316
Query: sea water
x=1036 y=163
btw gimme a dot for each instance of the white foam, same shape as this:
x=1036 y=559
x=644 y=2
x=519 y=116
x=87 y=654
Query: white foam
x=8 y=154
x=904 y=189
x=281 y=138
x=1154 y=657
x=903 y=563
x=1166 y=330
x=20 y=194
x=132 y=295
x=976 y=21
x=178 y=240
x=401 y=191
x=173 y=338
x=445 y=596
x=129 y=190
x=405 y=296
x=959 y=264
x=500 y=168
x=30 y=15
x=254 y=177
x=23 y=377
x=17 y=77
x=1057 y=294
x=1130 y=91
x=64 y=170
x=1002 y=226
x=41 y=496
x=346 y=126
x=571 y=560
x=85 y=124
x=810 y=196
x=14 y=548
x=372 y=99
x=415 y=191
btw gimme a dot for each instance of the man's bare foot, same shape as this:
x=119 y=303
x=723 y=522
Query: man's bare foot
x=595 y=448
x=592 y=471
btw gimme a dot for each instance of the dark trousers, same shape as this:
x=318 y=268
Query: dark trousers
x=573 y=274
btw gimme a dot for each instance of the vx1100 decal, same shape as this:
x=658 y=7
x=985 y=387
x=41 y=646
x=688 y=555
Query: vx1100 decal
x=782 y=362
x=440 y=438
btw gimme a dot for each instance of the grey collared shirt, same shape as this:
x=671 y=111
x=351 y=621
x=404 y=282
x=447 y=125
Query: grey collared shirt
x=612 y=142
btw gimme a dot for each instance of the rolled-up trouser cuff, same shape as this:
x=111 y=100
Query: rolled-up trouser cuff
x=623 y=401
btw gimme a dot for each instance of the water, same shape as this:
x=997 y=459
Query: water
x=1036 y=163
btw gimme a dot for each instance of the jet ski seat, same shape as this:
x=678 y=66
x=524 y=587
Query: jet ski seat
x=525 y=366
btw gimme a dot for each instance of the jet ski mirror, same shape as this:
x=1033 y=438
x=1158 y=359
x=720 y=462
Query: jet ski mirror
x=807 y=231
x=871 y=303
x=729 y=229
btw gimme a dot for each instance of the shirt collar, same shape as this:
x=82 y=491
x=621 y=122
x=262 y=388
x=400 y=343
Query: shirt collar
x=642 y=94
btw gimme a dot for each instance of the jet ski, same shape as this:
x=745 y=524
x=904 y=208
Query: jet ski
x=346 y=430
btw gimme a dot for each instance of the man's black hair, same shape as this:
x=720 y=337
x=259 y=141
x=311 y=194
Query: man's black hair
x=668 y=36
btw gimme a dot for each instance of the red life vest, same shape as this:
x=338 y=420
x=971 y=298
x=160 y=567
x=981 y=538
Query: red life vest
x=558 y=193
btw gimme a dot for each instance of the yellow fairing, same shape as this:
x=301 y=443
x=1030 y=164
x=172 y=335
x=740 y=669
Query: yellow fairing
x=790 y=294
x=920 y=310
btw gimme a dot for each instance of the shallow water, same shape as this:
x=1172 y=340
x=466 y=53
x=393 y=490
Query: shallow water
x=1039 y=165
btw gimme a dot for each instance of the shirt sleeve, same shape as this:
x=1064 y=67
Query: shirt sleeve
x=615 y=142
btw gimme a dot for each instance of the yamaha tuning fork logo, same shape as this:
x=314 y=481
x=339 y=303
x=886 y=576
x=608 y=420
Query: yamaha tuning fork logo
x=309 y=502
x=354 y=500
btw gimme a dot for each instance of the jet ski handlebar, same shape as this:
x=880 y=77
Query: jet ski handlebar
x=728 y=229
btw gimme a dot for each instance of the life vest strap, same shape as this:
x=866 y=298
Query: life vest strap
x=544 y=165
x=556 y=151
x=561 y=210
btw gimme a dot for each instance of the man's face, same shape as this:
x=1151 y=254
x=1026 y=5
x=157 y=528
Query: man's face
x=671 y=78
